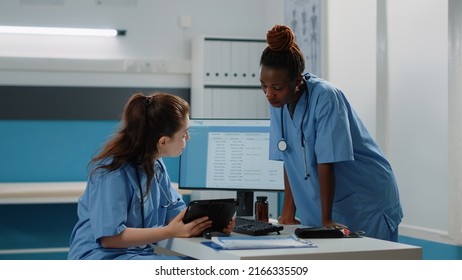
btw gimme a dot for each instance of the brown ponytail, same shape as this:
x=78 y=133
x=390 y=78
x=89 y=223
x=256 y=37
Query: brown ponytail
x=145 y=120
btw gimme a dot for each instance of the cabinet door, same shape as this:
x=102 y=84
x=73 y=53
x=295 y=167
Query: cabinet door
x=239 y=103
x=229 y=84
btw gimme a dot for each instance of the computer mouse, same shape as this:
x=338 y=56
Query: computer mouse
x=210 y=234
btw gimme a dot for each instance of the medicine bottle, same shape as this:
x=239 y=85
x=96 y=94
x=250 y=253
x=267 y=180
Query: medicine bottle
x=261 y=209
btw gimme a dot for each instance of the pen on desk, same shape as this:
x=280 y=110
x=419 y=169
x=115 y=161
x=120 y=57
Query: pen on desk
x=304 y=241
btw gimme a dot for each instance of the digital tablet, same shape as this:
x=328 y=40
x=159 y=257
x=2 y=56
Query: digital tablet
x=220 y=211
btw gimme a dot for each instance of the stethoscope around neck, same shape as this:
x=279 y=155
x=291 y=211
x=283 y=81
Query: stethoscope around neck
x=282 y=144
x=170 y=200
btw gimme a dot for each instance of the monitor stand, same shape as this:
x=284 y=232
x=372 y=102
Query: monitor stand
x=245 y=207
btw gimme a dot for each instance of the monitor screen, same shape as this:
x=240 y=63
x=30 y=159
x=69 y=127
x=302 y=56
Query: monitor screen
x=230 y=154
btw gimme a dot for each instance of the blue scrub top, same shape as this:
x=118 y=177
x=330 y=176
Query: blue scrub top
x=366 y=194
x=111 y=203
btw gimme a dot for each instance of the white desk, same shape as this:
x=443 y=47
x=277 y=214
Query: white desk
x=327 y=249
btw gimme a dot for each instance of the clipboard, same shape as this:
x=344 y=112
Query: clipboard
x=220 y=211
x=258 y=242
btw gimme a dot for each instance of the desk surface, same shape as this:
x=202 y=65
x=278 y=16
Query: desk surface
x=338 y=249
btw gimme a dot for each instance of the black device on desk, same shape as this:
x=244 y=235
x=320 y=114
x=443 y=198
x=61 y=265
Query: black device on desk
x=252 y=227
x=220 y=211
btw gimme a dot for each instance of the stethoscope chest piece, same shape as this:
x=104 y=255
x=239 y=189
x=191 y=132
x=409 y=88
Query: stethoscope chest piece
x=282 y=145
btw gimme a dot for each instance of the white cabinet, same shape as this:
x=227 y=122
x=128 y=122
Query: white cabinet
x=225 y=78
x=225 y=83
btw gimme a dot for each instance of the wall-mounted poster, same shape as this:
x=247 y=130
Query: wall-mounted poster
x=303 y=16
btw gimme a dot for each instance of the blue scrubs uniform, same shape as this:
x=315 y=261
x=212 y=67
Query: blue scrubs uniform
x=366 y=194
x=111 y=203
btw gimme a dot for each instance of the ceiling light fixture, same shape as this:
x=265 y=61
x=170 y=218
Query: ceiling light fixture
x=32 y=30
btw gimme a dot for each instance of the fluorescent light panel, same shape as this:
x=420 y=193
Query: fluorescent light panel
x=32 y=30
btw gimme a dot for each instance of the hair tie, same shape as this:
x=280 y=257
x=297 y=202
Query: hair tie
x=148 y=100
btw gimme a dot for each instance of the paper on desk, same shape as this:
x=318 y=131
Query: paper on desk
x=264 y=242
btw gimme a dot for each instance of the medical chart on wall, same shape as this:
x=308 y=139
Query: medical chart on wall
x=303 y=16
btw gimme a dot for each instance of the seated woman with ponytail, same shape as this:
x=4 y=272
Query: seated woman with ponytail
x=129 y=202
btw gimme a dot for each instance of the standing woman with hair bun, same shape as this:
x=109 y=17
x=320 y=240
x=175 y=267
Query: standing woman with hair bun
x=335 y=173
x=129 y=202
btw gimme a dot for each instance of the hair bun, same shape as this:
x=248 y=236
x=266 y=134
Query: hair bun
x=280 y=38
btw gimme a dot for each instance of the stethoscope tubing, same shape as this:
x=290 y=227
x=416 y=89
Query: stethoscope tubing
x=170 y=200
x=282 y=144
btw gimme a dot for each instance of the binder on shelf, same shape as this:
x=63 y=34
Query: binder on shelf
x=255 y=51
x=236 y=65
x=225 y=78
x=208 y=62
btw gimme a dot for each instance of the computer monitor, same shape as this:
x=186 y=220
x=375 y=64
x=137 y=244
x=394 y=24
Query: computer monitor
x=230 y=154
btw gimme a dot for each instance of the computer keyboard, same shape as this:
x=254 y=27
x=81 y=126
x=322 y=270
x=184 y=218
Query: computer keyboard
x=252 y=227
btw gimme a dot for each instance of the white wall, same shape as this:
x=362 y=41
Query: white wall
x=351 y=56
x=153 y=32
x=418 y=85
x=417 y=97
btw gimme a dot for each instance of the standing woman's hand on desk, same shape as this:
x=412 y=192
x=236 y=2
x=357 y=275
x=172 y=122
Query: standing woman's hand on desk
x=191 y=229
x=288 y=221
